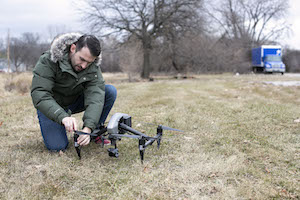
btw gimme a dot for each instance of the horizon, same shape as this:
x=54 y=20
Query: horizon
x=65 y=18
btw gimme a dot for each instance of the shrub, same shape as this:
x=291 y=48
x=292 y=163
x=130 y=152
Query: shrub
x=19 y=82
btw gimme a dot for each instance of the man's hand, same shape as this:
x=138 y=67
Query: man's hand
x=69 y=123
x=84 y=139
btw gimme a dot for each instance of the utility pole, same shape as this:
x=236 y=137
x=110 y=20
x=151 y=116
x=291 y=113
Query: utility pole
x=7 y=53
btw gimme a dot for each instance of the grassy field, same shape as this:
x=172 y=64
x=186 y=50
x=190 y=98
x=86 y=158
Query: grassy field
x=241 y=141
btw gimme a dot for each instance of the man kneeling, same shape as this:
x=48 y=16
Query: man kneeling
x=67 y=80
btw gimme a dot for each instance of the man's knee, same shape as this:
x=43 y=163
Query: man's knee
x=110 y=92
x=55 y=147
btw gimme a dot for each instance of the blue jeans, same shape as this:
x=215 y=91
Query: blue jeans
x=54 y=134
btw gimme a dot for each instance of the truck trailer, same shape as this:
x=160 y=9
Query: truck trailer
x=267 y=59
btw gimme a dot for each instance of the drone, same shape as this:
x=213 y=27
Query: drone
x=119 y=126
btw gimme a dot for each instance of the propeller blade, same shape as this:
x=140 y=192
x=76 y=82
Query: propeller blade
x=170 y=129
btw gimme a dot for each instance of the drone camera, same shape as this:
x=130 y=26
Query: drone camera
x=113 y=152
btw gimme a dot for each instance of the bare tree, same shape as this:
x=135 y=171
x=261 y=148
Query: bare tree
x=55 y=30
x=25 y=50
x=1 y=44
x=2 y=48
x=291 y=58
x=110 y=55
x=130 y=57
x=17 y=52
x=250 y=21
x=31 y=47
x=145 y=19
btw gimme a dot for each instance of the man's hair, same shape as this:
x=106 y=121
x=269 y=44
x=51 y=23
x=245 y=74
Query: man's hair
x=91 y=42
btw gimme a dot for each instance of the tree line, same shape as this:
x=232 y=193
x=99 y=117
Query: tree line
x=174 y=36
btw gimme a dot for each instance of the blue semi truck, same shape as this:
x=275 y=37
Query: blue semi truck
x=267 y=59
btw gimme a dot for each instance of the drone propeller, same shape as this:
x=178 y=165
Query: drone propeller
x=169 y=128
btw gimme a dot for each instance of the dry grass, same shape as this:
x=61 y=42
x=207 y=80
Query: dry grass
x=240 y=142
x=18 y=82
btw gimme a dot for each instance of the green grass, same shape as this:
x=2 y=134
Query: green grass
x=240 y=142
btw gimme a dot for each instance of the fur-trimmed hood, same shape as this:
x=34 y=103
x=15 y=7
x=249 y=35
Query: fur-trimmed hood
x=60 y=44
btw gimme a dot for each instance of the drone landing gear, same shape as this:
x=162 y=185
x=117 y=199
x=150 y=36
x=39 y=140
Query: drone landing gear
x=77 y=146
x=113 y=152
x=142 y=143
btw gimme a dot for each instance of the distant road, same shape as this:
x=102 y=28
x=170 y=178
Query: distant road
x=292 y=74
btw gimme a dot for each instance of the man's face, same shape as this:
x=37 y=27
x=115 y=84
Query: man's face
x=80 y=60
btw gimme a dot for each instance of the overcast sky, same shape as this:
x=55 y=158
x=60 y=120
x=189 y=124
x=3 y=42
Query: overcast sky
x=36 y=16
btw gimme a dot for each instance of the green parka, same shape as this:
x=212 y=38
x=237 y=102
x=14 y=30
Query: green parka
x=55 y=86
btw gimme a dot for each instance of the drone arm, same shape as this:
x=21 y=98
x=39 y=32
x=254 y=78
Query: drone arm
x=99 y=132
x=150 y=142
x=84 y=133
x=131 y=130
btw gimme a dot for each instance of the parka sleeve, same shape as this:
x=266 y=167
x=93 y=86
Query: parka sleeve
x=41 y=90
x=94 y=94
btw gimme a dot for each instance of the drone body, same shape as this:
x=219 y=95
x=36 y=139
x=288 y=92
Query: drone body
x=118 y=126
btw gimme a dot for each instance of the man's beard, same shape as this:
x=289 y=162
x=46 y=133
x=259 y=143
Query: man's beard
x=76 y=68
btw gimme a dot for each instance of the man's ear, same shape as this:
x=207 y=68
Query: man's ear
x=73 y=48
